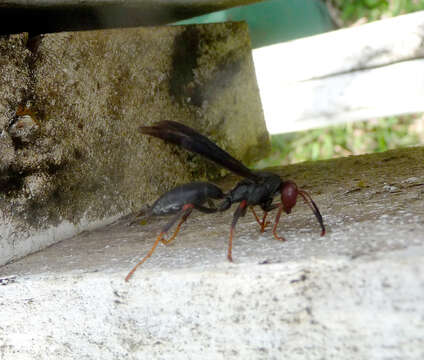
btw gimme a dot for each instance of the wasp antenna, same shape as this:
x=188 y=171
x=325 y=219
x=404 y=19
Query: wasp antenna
x=314 y=208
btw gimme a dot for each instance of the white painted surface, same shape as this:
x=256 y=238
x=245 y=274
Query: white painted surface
x=329 y=78
x=390 y=90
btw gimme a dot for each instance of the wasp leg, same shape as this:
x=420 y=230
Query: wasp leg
x=145 y=213
x=184 y=218
x=146 y=257
x=184 y=212
x=241 y=211
x=174 y=235
x=182 y=221
x=277 y=220
x=262 y=223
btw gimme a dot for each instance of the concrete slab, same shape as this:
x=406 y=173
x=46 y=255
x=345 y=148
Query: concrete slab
x=356 y=293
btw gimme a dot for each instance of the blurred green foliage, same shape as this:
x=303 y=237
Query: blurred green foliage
x=352 y=10
x=352 y=138
x=344 y=140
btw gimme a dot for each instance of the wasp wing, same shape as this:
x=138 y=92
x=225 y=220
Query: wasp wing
x=191 y=140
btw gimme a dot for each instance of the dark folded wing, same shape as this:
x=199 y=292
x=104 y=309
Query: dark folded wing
x=191 y=140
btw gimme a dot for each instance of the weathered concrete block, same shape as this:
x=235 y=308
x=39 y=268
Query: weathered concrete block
x=72 y=107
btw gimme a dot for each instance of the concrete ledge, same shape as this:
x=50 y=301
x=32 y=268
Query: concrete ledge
x=357 y=293
x=366 y=308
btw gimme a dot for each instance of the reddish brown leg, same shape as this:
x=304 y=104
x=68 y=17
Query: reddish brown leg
x=182 y=221
x=263 y=224
x=184 y=212
x=230 y=246
x=241 y=211
x=277 y=219
x=146 y=257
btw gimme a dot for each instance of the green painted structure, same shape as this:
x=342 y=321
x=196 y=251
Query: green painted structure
x=275 y=21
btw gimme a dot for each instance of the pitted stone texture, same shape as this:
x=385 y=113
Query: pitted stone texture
x=15 y=87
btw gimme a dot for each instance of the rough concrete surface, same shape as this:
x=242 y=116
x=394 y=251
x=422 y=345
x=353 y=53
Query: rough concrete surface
x=356 y=293
x=71 y=106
